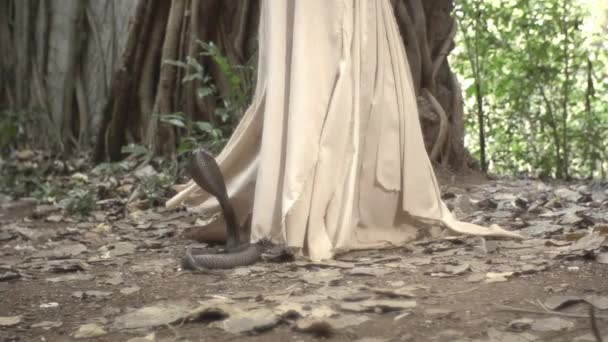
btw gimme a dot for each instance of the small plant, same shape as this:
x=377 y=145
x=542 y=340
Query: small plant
x=117 y=168
x=230 y=103
x=154 y=187
x=45 y=191
x=11 y=129
x=80 y=201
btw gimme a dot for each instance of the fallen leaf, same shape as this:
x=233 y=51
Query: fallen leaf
x=457 y=269
x=375 y=305
x=46 y=325
x=602 y=258
x=55 y=218
x=114 y=280
x=567 y=194
x=552 y=324
x=152 y=316
x=129 y=290
x=290 y=309
x=589 y=338
x=600 y=302
x=150 y=337
x=91 y=294
x=10 y=321
x=496 y=335
x=406 y=292
x=589 y=242
x=71 y=277
x=322 y=277
x=494 y=277
x=369 y=271
x=344 y=321
x=120 y=249
x=89 y=330
x=476 y=277
x=254 y=320
x=521 y=324
x=438 y=312
x=317 y=328
x=9 y=275
x=153 y=266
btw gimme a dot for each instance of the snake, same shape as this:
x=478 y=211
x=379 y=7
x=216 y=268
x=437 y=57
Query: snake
x=205 y=172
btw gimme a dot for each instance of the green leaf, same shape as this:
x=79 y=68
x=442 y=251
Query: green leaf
x=176 y=63
x=136 y=150
x=204 y=127
x=192 y=77
x=204 y=92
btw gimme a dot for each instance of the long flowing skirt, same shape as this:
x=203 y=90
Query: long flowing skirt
x=329 y=157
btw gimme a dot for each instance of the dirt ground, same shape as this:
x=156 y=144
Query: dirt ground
x=105 y=279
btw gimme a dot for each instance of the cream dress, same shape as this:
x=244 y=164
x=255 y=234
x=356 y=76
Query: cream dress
x=329 y=157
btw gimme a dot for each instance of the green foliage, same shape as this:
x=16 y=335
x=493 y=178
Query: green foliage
x=81 y=201
x=11 y=129
x=230 y=101
x=45 y=191
x=155 y=187
x=538 y=81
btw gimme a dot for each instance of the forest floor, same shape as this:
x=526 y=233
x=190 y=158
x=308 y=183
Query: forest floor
x=114 y=275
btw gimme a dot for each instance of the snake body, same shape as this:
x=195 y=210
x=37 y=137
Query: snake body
x=206 y=173
x=245 y=256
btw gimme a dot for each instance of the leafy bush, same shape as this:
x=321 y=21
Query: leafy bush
x=230 y=104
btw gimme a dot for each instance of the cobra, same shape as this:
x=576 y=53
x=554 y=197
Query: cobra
x=206 y=173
